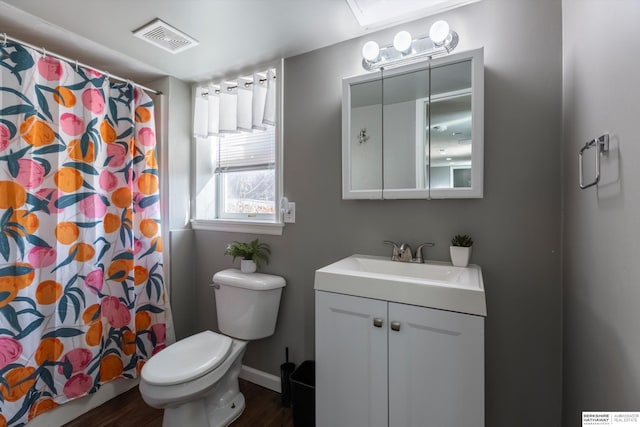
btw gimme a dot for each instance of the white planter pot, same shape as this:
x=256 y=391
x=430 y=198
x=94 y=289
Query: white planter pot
x=460 y=255
x=247 y=266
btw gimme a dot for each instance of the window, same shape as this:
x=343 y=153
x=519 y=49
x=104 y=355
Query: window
x=238 y=171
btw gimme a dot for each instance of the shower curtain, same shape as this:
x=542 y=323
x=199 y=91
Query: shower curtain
x=81 y=285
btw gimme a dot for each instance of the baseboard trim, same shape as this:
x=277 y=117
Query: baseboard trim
x=263 y=379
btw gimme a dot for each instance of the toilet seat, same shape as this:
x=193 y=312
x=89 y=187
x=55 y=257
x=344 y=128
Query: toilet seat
x=187 y=359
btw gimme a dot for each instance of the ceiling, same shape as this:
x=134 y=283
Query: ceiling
x=232 y=34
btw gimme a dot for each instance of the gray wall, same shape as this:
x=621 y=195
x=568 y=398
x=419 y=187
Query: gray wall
x=516 y=226
x=175 y=158
x=601 y=227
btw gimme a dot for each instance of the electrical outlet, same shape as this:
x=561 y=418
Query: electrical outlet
x=290 y=216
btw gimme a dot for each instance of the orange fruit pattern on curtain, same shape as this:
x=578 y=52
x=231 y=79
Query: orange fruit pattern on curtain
x=82 y=297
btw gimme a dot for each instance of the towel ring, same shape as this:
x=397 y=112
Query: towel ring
x=602 y=146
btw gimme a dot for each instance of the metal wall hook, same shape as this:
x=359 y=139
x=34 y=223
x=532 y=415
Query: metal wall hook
x=362 y=136
x=602 y=146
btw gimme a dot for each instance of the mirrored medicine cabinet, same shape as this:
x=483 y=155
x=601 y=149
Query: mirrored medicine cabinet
x=415 y=131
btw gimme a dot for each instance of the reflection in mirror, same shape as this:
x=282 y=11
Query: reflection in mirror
x=366 y=135
x=450 y=126
x=405 y=146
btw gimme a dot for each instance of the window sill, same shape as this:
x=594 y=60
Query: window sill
x=253 y=227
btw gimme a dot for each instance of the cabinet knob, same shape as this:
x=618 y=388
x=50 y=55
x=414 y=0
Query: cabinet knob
x=395 y=326
x=377 y=322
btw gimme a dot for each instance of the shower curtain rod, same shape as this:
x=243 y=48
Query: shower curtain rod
x=45 y=52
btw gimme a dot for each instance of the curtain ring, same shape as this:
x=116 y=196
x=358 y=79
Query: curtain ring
x=107 y=75
x=44 y=52
x=76 y=65
x=4 y=40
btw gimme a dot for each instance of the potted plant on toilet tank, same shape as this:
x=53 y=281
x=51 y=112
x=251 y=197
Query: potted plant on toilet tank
x=251 y=254
x=460 y=250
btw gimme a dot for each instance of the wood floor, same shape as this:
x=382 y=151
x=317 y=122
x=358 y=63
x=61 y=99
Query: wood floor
x=263 y=409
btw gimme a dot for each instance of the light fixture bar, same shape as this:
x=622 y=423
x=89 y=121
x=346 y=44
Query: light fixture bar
x=438 y=44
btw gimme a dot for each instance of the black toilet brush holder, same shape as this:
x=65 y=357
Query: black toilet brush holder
x=286 y=369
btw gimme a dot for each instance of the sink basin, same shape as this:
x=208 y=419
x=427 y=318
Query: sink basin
x=432 y=284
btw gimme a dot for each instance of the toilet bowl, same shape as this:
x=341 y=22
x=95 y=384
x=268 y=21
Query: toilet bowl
x=191 y=394
x=195 y=380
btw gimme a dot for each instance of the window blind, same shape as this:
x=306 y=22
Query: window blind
x=246 y=151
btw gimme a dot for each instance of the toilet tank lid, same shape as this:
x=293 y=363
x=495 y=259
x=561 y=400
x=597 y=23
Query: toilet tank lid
x=254 y=281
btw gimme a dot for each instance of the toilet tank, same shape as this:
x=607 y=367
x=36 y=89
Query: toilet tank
x=247 y=303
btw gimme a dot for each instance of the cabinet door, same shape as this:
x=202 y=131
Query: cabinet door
x=351 y=361
x=436 y=368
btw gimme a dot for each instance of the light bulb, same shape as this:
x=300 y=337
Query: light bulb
x=402 y=41
x=439 y=32
x=370 y=51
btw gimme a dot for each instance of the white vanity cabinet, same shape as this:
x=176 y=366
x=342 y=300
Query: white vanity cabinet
x=387 y=364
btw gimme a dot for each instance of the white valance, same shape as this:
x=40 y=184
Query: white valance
x=245 y=104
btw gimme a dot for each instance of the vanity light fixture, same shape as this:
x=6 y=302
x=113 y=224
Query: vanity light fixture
x=402 y=42
x=404 y=50
x=439 y=32
x=371 y=51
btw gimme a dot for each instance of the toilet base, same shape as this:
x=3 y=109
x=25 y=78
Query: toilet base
x=197 y=413
x=225 y=415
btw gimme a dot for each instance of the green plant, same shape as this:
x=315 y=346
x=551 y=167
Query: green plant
x=254 y=250
x=462 y=240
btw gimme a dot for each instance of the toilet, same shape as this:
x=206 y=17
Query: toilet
x=195 y=380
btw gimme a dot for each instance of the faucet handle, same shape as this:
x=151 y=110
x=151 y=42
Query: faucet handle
x=428 y=245
x=396 y=249
x=418 y=257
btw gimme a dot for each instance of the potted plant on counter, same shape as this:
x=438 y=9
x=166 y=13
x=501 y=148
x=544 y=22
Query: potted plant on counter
x=251 y=254
x=460 y=250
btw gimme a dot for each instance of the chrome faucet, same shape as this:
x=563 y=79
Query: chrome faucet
x=402 y=252
x=405 y=253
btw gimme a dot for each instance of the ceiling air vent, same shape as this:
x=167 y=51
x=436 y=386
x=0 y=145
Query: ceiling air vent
x=166 y=37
